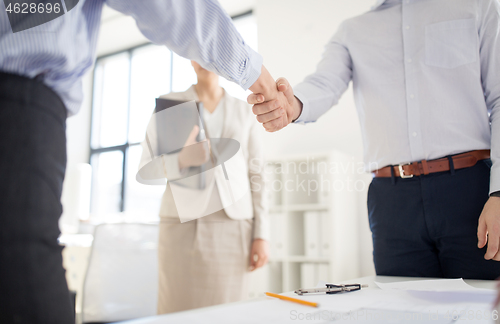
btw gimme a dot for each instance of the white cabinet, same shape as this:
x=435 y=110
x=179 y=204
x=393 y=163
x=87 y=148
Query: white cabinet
x=313 y=221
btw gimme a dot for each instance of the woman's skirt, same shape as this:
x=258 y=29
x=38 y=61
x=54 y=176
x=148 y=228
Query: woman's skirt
x=203 y=262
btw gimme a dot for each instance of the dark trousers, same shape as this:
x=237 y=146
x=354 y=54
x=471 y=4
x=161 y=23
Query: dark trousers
x=427 y=226
x=33 y=286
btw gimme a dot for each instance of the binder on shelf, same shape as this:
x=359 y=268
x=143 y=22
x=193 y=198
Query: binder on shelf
x=278 y=235
x=324 y=193
x=321 y=169
x=311 y=233
x=322 y=272
x=313 y=183
x=273 y=195
x=308 y=275
x=325 y=234
x=297 y=181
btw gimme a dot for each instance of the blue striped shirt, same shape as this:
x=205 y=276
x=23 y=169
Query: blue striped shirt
x=64 y=49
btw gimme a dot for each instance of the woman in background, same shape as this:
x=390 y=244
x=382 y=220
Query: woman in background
x=207 y=261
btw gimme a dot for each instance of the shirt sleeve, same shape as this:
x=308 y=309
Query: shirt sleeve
x=323 y=89
x=489 y=36
x=199 y=30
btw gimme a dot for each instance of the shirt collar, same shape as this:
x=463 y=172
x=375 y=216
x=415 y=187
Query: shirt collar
x=381 y=2
x=378 y=4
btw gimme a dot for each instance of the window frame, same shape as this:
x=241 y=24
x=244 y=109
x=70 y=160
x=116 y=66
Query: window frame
x=124 y=147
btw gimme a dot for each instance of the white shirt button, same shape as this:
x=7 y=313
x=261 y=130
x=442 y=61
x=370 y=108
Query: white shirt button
x=414 y=134
x=409 y=60
x=412 y=96
x=407 y=27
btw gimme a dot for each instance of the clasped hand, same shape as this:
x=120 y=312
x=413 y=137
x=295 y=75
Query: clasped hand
x=274 y=104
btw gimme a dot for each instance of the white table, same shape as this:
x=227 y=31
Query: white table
x=240 y=312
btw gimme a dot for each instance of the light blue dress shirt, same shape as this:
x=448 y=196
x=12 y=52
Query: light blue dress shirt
x=426 y=75
x=64 y=48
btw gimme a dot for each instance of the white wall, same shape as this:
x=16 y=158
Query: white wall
x=292 y=34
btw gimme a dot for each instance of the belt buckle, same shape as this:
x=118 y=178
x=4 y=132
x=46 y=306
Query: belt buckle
x=402 y=172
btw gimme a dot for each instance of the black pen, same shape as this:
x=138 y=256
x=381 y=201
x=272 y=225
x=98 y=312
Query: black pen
x=331 y=289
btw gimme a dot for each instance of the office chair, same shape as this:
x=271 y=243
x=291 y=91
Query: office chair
x=122 y=276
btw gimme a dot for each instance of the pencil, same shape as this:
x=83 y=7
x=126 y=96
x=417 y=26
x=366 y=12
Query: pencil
x=293 y=300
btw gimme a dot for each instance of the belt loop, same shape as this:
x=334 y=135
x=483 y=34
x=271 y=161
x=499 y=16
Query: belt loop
x=393 y=176
x=452 y=165
x=425 y=167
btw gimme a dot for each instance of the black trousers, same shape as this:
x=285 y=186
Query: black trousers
x=33 y=287
x=427 y=226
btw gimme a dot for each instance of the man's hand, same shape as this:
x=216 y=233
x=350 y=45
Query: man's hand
x=259 y=254
x=265 y=85
x=278 y=113
x=488 y=229
x=194 y=153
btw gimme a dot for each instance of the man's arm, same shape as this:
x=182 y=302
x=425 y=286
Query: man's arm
x=489 y=34
x=313 y=97
x=202 y=31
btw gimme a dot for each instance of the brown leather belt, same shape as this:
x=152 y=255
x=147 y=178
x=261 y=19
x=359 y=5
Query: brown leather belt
x=409 y=170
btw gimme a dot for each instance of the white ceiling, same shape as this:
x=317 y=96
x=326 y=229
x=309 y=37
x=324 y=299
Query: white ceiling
x=233 y=7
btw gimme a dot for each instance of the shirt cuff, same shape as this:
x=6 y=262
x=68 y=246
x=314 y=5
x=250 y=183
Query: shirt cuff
x=304 y=117
x=495 y=178
x=253 y=68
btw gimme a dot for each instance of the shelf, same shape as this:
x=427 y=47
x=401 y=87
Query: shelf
x=301 y=258
x=293 y=212
x=302 y=207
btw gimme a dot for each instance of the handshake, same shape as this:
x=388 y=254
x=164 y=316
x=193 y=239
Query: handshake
x=274 y=103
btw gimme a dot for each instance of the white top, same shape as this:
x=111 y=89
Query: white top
x=214 y=122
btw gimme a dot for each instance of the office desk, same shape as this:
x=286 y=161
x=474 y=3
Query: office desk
x=278 y=311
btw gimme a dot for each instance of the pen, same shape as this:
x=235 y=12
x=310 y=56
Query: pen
x=331 y=289
x=293 y=300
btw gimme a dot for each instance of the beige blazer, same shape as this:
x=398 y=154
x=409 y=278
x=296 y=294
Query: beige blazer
x=247 y=174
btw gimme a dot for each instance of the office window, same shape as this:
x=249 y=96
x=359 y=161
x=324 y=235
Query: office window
x=125 y=87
